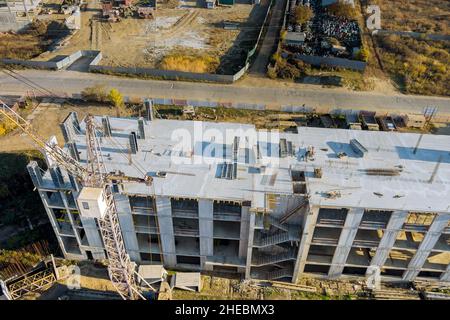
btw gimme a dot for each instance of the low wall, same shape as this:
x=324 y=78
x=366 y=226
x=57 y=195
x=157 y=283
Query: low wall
x=332 y=62
x=31 y=64
x=164 y=74
x=181 y=75
x=156 y=73
x=438 y=118
x=56 y=65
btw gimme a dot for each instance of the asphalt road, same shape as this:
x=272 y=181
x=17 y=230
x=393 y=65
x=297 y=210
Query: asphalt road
x=71 y=82
x=270 y=40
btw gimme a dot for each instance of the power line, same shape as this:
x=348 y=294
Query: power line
x=51 y=94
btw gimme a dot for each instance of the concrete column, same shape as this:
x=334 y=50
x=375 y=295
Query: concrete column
x=205 y=222
x=251 y=233
x=440 y=222
x=164 y=212
x=308 y=225
x=348 y=233
x=393 y=227
x=244 y=234
x=127 y=226
x=446 y=275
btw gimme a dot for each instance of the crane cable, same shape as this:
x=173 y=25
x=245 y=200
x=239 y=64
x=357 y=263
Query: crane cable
x=51 y=94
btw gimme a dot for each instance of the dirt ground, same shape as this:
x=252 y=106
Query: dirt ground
x=46 y=117
x=234 y=289
x=186 y=29
x=45 y=120
x=20 y=46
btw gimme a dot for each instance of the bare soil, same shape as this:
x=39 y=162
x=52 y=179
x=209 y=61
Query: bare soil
x=134 y=42
x=46 y=118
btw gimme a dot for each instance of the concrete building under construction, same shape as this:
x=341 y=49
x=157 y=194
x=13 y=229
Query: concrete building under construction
x=320 y=202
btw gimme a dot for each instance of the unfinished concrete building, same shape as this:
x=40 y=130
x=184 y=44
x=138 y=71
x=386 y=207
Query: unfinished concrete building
x=334 y=203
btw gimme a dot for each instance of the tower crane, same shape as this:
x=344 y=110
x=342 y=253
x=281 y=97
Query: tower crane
x=95 y=199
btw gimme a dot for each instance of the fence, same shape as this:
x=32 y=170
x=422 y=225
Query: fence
x=438 y=118
x=156 y=73
x=181 y=75
x=56 y=65
x=164 y=74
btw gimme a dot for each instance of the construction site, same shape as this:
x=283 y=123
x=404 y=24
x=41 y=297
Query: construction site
x=305 y=212
x=155 y=34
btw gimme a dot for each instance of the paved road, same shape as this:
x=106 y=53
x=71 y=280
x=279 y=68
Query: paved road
x=70 y=82
x=270 y=40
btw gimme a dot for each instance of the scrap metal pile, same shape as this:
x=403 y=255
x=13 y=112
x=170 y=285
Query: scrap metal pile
x=325 y=34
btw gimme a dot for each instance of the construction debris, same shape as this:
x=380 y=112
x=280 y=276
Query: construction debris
x=291 y=286
x=190 y=281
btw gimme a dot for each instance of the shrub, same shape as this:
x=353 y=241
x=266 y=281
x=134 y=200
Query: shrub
x=96 y=93
x=303 y=14
x=344 y=10
x=116 y=99
x=6 y=126
x=303 y=67
x=38 y=28
x=287 y=71
x=272 y=72
x=192 y=63
x=276 y=57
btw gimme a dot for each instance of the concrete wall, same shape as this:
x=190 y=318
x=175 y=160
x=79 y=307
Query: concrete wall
x=157 y=73
x=164 y=74
x=56 y=65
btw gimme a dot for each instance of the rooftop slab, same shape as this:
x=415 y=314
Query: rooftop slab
x=391 y=175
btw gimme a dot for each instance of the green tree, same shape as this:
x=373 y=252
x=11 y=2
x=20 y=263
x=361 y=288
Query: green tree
x=116 y=99
x=303 y=14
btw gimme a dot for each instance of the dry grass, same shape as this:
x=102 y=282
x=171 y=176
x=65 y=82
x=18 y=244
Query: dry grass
x=429 y=16
x=20 y=46
x=189 y=63
x=417 y=66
